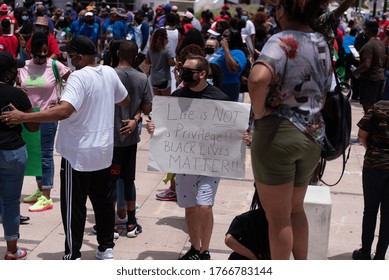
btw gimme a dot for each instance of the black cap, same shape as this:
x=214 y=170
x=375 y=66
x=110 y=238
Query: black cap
x=7 y=61
x=140 y=13
x=80 y=45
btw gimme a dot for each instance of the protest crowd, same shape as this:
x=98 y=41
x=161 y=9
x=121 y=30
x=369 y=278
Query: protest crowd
x=91 y=75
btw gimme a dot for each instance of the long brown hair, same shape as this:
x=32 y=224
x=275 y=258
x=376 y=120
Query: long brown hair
x=158 y=40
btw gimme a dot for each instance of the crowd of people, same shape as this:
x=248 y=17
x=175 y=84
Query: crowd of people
x=282 y=55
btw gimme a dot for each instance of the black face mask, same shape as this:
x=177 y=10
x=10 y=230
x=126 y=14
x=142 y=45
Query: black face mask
x=187 y=77
x=41 y=29
x=89 y=21
x=10 y=78
x=209 y=50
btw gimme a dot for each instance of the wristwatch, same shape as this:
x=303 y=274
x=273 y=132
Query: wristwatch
x=136 y=119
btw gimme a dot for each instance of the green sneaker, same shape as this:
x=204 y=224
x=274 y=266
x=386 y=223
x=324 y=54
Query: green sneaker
x=34 y=197
x=42 y=204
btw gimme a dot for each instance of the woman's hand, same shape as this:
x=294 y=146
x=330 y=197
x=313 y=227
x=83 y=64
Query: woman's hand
x=12 y=117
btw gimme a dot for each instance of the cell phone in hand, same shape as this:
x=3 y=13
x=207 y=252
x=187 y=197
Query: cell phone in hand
x=7 y=109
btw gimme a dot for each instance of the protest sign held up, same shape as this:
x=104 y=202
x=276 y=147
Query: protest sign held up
x=197 y=136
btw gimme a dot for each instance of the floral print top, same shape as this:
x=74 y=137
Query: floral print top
x=300 y=63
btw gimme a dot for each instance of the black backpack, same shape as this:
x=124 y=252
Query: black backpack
x=336 y=113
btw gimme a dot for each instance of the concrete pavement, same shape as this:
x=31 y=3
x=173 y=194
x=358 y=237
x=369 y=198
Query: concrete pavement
x=164 y=234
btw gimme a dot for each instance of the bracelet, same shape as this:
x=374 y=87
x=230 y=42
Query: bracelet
x=136 y=120
x=260 y=115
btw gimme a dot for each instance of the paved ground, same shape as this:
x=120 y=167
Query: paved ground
x=164 y=234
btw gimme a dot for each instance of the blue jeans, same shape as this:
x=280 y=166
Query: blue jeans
x=12 y=166
x=48 y=131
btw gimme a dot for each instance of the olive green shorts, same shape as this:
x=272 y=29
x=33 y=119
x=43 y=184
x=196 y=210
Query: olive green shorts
x=281 y=153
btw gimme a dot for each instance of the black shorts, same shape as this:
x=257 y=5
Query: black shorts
x=124 y=162
x=370 y=92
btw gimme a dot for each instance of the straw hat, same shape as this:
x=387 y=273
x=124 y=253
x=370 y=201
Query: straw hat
x=42 y=21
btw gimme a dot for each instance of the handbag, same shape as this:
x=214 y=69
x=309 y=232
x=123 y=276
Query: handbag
x=336 y=114
x=59 y=85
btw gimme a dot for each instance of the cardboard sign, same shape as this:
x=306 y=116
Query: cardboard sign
x=199 y=137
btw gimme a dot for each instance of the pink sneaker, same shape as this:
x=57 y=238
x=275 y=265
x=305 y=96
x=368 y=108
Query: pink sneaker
x=20 y=254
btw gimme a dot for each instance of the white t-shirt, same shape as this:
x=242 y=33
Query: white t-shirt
x=85 y=139
x=172 y=35
x=249 y=29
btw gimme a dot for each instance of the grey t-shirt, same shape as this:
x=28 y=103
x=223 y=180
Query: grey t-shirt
x=160 y=68
x=139 y=91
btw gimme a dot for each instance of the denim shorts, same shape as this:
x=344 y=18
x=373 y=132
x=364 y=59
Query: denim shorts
x=195 y=190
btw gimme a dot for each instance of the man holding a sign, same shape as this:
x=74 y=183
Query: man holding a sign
x=195 y=186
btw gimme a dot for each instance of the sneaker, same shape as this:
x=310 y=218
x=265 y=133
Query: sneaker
x=20 y=254
x=167 y=195
x=33 y=198
x=69 y=257
x=359 y=255
x=105 y=255
x=120 y=222
x=24 y=219
x=134 y=230
x=192 y=254
x=41 y=205
x=205 y=256
x=115 y=231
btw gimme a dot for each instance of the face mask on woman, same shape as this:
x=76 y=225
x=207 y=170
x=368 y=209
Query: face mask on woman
x=41 y=29
x=40 y=59
x=209 y=50
x=24 y=18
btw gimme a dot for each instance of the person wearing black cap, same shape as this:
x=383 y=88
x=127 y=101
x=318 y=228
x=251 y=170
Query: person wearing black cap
x=13 y=154
x=85 y=141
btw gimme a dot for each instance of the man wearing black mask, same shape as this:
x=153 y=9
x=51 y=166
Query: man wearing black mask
x=198 y=202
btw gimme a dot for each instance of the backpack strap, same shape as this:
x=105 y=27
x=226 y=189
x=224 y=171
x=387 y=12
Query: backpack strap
x=345 y=158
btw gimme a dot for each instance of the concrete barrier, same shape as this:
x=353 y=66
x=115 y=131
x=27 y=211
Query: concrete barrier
x=318 y=205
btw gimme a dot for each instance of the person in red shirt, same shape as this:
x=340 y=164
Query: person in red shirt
x=8 y=41
x=42 y=25
x=4 y=14
x=382 y=25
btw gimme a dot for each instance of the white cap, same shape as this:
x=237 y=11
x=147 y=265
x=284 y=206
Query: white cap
x=89 y=14
x=213 y=32
x=188 y=14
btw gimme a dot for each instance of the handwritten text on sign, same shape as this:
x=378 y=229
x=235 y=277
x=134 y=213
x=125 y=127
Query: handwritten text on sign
x=199 y=136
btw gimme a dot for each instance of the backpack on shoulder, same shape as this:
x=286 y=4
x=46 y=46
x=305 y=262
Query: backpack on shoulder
x=336 y=113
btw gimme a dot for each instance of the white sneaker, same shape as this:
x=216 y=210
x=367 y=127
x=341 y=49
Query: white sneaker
x=106 y=255
x=120 y=221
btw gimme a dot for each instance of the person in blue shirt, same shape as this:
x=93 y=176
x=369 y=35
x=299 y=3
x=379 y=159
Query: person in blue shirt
x=119 y=29
x=349 y=40
x=232 y=60
x=90 y=28
x=74 y=29
x=70 y=14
